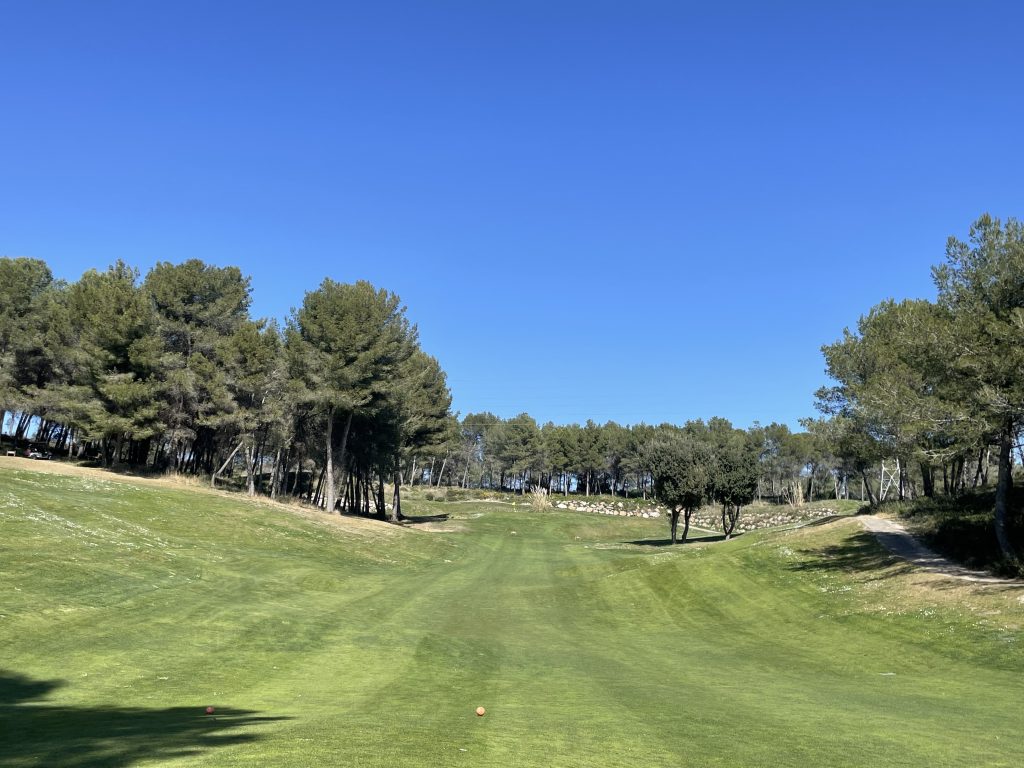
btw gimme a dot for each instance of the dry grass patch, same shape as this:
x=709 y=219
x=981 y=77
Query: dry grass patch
x=842 y=553
x=362 y=527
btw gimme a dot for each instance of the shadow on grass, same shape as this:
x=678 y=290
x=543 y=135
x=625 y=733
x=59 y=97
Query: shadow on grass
x=860 y=552
x=819 y=521
x=690 y=540
x=413 y=519
x=36 y=733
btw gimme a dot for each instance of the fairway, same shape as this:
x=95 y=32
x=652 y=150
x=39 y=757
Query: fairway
x=131 y=606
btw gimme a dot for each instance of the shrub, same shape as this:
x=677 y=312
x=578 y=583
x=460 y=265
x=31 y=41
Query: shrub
x=539 y=499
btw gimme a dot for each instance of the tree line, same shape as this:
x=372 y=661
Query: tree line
x=518 y=455
x=170 y=372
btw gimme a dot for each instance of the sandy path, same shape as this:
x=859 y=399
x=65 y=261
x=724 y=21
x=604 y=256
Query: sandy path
x=897 y=540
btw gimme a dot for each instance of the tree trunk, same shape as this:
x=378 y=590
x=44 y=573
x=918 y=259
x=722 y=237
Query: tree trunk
x=379 y=501
x=329 y=460
x=261 y=450
x=275 y=474
x=1004 y=483
x=687 y=514
x=730 y=516
x=344 y=445
x=293 y=484
x=19 y=431
x=117 y=449
x=866 y=485
x=396 y=500
x=250 y=479
x=441 y=473
x=927 y=480
x=674 y=524
x=314 y=497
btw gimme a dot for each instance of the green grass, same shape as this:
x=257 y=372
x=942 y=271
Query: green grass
x=128 y=608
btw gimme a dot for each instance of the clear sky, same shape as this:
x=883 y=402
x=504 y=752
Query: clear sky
x=619 y=210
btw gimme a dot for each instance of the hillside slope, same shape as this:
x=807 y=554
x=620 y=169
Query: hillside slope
x=130 y=607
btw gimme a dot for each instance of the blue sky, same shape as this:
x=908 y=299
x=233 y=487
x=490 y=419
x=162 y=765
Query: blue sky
x=613 y=210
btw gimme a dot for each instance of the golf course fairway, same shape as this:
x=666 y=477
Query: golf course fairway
x=131 y=606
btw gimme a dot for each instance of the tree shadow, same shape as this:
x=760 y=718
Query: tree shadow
x=710 y=539
x=35 y=733
x=414 y=519
x=818 y=521
x=651 y=543
x=860 y=552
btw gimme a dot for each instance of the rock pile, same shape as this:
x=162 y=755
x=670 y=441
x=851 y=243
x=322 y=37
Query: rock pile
x=620 y=508
x=751 y=519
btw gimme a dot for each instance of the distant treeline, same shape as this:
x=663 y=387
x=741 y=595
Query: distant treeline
x=518 y=455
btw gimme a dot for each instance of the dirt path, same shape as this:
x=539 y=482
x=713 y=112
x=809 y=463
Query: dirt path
x=897 y=540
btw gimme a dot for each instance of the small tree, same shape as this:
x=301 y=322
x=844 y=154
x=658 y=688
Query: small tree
x=735 y=478
x=682 y=478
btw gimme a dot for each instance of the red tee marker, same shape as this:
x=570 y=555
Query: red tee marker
x=209 y=710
